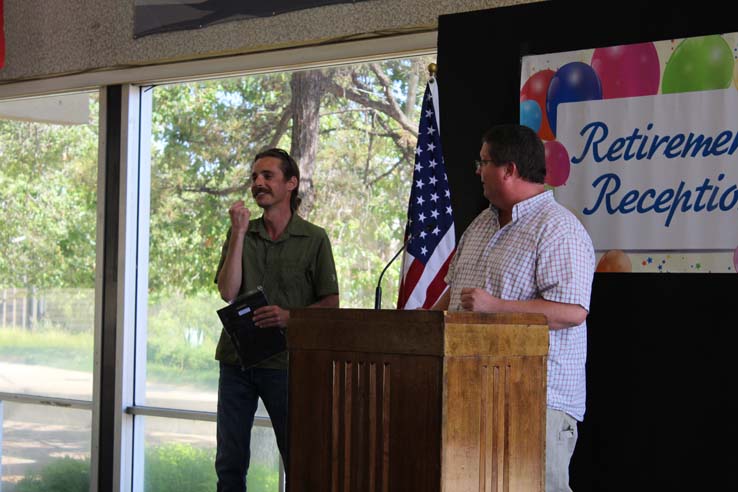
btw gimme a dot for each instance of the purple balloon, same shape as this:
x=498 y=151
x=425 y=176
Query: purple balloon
x=628 y=70
x=574 y=82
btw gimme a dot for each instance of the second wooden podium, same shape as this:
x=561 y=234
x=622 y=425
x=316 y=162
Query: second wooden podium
x=408 y=401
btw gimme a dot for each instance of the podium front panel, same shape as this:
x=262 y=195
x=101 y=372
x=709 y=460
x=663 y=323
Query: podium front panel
x=494 y=427
x=370 y=422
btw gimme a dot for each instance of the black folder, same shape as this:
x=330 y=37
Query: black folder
x=253 y=344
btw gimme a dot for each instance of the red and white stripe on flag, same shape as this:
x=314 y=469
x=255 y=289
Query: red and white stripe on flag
x=430 y=222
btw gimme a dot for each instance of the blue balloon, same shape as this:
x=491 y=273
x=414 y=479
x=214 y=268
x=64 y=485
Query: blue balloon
x=574 y=82
x=531 y=115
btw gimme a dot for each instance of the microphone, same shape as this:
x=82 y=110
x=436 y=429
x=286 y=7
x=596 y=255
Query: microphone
x=410 y=237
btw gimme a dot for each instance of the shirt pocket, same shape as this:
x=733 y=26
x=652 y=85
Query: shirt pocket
x=294 y=276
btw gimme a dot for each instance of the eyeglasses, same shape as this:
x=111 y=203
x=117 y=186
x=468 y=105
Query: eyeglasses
x=481 y=162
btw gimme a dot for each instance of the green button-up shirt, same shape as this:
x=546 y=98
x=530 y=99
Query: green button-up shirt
x=295 y=270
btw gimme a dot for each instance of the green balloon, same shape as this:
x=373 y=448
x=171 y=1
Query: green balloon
x=699 y=64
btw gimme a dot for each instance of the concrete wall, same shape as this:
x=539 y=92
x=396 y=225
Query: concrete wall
x=50 y=38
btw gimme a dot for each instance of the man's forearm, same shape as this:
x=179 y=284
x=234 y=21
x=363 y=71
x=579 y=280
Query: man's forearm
x=230 y=277
x=559 y=315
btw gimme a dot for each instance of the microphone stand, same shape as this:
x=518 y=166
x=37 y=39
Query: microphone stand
x=378 y=291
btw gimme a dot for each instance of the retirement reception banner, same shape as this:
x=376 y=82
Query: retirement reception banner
x=642 y=141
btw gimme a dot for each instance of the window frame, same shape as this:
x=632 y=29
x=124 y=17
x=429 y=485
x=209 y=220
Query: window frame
x=123 y=190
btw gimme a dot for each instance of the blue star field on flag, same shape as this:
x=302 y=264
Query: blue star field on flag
x=429 y=211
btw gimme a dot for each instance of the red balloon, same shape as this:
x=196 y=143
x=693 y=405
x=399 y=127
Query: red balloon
x=628 y=70
x=557 y=163
x=536 y=88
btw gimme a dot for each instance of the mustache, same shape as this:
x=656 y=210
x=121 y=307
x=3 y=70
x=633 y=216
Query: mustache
x=260 y=189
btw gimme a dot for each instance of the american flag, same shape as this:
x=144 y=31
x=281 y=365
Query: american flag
x=430 y=218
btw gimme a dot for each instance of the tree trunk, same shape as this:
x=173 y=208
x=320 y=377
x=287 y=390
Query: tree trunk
x=307 y=91
x=412 y=91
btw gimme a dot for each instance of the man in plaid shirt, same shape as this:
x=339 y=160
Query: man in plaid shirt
x=526 y=253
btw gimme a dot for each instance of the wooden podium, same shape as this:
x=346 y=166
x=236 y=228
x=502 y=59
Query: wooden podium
x=421 y=401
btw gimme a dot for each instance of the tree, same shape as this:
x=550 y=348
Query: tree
x=48 y=183
x=350 y=129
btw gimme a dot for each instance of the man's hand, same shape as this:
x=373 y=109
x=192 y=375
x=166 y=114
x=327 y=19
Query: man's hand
x=240 y=217
x=479 y=300
x=271 y=317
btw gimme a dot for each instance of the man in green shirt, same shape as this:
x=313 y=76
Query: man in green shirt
x=292 y=260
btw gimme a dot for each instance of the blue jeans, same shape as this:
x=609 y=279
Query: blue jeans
x=238 y=397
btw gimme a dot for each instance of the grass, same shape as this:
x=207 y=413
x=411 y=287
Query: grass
x=48 y=347
x=74 y=351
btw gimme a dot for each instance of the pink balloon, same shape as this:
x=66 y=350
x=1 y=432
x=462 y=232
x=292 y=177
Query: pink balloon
x=557 y=163
x=628 y=70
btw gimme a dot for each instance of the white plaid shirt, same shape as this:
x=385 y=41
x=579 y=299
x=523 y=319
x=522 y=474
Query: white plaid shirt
x=543 y=253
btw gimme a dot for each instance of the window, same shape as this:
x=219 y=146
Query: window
x=356 y=144
x=48 y=194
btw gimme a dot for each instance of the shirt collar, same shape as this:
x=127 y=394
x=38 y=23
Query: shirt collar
x=297 y=226
x=527 y=207
x=531 y=205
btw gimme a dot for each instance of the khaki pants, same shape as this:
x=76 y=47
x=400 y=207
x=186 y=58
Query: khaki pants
x=561 y=437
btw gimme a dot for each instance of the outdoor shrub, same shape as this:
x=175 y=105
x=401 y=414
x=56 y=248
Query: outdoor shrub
x=61 y=475
x=168 y=468
x=178 y=468
x=182 y=467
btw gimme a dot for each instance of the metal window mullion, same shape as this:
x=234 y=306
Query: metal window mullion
x=140 y=151
x=134 y=179
x=179 y=413
x=46 y=400
x=104 y=429
x=116 y=290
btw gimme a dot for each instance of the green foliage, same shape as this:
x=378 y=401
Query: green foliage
x=167 y=468
x=204 y=135
x=179 y=467
x=61 y=475
x=182 y=467
x=48 y=193
x=182 y=336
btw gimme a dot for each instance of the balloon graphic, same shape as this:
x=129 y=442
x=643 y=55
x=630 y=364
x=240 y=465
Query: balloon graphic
x=557 y=163
x=614 y=261
x=574 y=82
x=699 y=64
x=627 y=71
x=531 y=115
x=536 y=88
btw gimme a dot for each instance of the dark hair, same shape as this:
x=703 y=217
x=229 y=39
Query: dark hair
x=289 y=169
x=519 y=144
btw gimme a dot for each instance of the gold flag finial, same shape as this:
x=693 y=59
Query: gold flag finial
x=432 y=69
